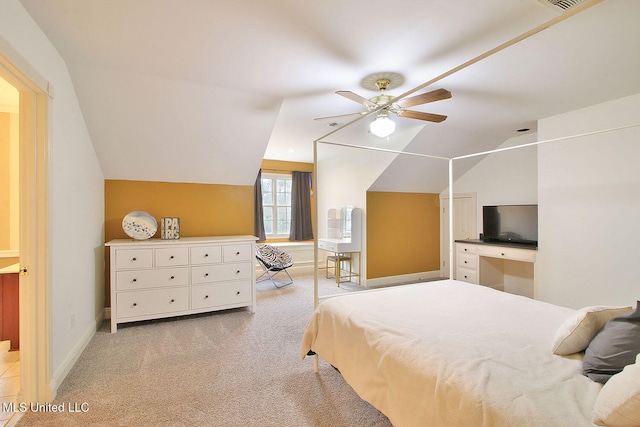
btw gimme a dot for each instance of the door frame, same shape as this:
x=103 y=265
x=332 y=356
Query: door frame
x=35 y=300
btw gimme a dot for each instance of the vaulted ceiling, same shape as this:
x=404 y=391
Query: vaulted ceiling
x=201 y=91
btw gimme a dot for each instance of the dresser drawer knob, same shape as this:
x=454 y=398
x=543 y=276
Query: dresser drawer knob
x=237 y=271
x=134 y=280
x=173 y=300
x=502 y=254
x=206 y=296
x=134 y=259
x=465 y=262
x=466 y=277
x=237 y=253
x=206 y=255
x=171 y=257
x=238 y=293
x=172 y=277
x=206 y=274
x=135 y=304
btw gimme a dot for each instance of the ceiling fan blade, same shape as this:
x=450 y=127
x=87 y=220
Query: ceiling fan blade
x=354 y=97
x=429 y=117
x=340 y=116
x=434 y=95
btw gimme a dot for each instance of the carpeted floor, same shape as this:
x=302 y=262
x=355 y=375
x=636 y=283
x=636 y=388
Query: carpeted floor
x=230 y=368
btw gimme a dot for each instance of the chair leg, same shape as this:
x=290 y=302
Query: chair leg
x=280 y=285
x=271 y=277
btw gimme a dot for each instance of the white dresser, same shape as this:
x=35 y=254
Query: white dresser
x=155 y=278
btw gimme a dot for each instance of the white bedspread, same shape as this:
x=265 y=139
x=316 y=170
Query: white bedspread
x=448 y=353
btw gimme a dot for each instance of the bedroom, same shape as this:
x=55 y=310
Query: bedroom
x=77 y=282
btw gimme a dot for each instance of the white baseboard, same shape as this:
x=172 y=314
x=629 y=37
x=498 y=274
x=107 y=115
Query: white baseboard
x=65 y=367
x=403 y=278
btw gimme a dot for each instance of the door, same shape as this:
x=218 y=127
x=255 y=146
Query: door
x=464 y=225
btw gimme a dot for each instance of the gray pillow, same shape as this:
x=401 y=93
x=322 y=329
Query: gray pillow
x=614 y=347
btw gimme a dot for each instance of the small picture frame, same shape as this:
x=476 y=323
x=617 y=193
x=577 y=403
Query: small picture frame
x=170 y=228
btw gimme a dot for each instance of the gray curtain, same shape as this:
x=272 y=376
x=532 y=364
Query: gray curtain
x=301 y=228
x=258 y=223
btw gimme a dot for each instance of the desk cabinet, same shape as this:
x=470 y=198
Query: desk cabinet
x=500 y=267
x=156 y=278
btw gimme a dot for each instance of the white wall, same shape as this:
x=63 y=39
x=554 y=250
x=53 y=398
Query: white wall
x=505 y=178
x=76 y=194
x=344 y=176
x=589 y=207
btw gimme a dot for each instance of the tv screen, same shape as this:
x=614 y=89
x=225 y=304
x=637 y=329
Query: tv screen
x=510 y=223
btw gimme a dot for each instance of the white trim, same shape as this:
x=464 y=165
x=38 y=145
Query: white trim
x=75 y=353
x=402 y=279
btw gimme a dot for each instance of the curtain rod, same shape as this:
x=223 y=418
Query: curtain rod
x=281 y=170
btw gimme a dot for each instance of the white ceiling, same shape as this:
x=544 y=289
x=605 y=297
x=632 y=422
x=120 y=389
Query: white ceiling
x=202 y=90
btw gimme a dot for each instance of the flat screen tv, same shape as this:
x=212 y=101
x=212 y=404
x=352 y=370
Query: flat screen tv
x=510 y=224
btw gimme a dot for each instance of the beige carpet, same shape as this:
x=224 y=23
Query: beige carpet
x=231 y=368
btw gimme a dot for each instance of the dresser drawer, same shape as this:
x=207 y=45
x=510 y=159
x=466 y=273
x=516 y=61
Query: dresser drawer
x=328 y=246
x=150 y=302
x=466 y=249
x=467 y=260
x=515 y=254
x=221 y=294
x=134 y=258
x=206 y=254
x=242 y=252
x=127 y=280
x=168 y=257
x=467 y=275
x=222 y=272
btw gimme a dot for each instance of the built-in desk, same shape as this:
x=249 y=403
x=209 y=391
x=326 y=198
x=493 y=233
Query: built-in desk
x=507 y=267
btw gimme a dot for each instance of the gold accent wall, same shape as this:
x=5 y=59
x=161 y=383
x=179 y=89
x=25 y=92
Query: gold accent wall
x=203 y=209
x=403 y=233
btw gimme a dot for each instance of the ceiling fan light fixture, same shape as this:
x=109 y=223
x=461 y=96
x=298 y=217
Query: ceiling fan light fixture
x=382 y=126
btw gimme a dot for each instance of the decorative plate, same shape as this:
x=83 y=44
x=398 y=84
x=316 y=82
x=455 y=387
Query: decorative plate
x=139 y=225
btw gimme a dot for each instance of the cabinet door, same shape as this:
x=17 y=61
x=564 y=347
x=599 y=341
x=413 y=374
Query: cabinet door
x=10 y=300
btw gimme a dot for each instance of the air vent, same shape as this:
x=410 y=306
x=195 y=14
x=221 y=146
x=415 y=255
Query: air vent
x=562 y=4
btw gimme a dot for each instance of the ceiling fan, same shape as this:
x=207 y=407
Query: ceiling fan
x=382 y=126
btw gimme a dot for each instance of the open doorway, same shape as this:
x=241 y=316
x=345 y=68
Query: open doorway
x=30 y=239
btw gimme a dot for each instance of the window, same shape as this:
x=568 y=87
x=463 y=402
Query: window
x=276 y=205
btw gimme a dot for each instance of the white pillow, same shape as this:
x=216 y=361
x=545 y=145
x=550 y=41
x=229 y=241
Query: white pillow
x=576 y=332
x=618 y=404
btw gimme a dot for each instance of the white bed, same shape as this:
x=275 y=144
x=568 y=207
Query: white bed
x=449 y=353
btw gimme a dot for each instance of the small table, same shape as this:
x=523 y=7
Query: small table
x=341 y=252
